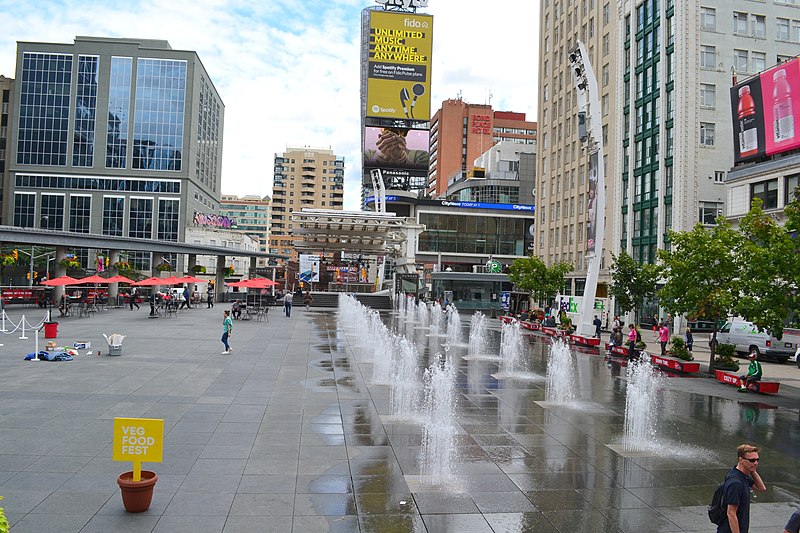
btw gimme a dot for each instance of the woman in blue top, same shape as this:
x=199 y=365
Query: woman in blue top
x=227 y=327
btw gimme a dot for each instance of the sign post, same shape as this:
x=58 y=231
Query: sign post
x=138 y=440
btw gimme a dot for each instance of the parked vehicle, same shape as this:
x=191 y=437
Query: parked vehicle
x=748 y=338
x=796 y=357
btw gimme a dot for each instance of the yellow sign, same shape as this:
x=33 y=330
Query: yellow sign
x=138 y=439
x=399 y=69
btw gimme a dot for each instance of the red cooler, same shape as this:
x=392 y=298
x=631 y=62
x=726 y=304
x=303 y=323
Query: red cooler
x=50 y=330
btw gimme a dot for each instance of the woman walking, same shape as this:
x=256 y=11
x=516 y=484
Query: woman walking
x=227 y=328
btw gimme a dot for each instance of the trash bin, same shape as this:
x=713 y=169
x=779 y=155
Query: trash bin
x=114 y=343
x=50 y=330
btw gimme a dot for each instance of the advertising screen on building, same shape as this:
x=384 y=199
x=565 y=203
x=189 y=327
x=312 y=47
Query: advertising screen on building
x=398 y=76
x=400 y=153
x=763 y=110
x=309 y=268
x=591 y=205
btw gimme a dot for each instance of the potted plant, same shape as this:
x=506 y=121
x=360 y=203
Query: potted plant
x=228 y=271
x=164 y=267
x=678 y=349
x=70 y=262
x=724 y=359
x=198 y=269
x=137 y=495
x=3 y=520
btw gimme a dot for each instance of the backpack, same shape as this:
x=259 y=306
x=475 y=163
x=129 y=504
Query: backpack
x=717 y=511
x=638 y=336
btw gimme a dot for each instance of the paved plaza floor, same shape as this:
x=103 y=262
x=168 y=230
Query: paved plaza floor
x=287 y=433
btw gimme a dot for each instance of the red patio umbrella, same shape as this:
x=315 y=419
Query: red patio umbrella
x=191 y=279
x=120 y=279
x=93 y=279
x=149 y=282
x=60 y=281
x=260 y=283
x=172 y=280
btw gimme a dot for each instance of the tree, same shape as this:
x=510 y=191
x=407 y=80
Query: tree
x=703 y=274
x=768 y=255
x=531 y=274
x=632 y=282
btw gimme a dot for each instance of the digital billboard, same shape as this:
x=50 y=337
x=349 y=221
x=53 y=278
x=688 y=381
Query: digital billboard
x=400 y=153
x=763 y=112
x=398 y=76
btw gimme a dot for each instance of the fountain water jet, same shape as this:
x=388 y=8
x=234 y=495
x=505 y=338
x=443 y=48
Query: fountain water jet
x=479 y=346
x=438 y=453
x=641 y=416
x=406 y=388
x=560 y=387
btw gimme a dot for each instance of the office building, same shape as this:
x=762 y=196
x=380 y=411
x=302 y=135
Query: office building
x=251 y=215
x=6 y=90
x=461 y=132
x=304 y=178
x=116 y=137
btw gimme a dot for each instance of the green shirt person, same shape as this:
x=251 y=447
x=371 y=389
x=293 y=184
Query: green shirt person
x=754 y=373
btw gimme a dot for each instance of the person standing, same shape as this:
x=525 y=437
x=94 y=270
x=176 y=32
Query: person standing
x=210 y=295
x=663 y=337
x=736 y=491
x=689 y=339
x=632 y=338
x=287 y=304
x=308 y=300
x=670 y=323
x=597 y=325
x=132 y=298
x=227 y=329
x=187 y=298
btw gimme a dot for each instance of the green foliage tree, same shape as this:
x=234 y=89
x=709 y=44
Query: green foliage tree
x=632 y=282
x=768 y=256
x=703 y=274
x=532 y=274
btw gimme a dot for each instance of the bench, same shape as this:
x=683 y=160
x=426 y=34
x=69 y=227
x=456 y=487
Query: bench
x=507 y=319
x=674 y=363
x=532 y=326
x=592 y=342
x=621 y=351
x=764 y=387
x=553 y=332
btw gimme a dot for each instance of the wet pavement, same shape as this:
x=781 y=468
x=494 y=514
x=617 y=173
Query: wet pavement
x=286 y=433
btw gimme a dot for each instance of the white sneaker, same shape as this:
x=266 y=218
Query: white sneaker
x=226 y=352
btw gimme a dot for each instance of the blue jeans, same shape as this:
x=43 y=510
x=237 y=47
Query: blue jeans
x=225 y=340
x=287 y=308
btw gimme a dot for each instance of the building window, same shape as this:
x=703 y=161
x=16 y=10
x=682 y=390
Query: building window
x=740 y=60
x=52 y=212
x=791 y=191
x=113 y=215
x=140 y=219
x=708 y=18
x=80 y=213
x=782 y=33
x=759 y=26
x=708 y=56
x=707 y=133
x=767 y=191
x=119 y=108
x=709 y=211
x=758 y=61
x=85 y=111
x=740 y=23
x=44 y=109
x=159 y=114
x=719 y=176
x=708 y=95
x=24 y=209
x=168 y=219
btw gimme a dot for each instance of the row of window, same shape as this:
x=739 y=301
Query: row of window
x=767 y=191
x=53 y=215
x=97 y=184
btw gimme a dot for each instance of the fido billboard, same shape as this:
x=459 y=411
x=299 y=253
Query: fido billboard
x=398 y=76
x=763 y=110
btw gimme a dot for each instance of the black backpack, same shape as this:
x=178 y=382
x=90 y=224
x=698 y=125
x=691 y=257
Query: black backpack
x=717 y=511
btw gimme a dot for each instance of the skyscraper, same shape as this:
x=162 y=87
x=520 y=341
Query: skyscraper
x=113 y=136
x=304 y=178
x=252 y=215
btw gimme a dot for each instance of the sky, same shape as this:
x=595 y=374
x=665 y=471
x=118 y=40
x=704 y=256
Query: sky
x=288 y=71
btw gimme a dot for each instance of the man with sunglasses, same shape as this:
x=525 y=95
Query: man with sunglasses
x=736 y=496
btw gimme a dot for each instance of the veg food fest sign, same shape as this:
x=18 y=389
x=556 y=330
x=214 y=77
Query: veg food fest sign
x=398 y=84
x=138 y=439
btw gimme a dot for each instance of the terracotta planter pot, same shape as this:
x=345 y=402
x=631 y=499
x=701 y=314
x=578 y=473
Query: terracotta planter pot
x=137 y=495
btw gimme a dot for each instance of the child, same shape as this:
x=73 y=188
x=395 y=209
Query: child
x=689 y=339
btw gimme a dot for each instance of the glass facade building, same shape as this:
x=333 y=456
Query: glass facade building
x=140 y=174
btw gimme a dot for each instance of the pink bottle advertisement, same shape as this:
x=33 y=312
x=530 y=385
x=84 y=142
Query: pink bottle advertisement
x=780 y=89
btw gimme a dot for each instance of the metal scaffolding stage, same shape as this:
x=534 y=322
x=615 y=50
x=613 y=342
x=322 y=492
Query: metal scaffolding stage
x=322 y=230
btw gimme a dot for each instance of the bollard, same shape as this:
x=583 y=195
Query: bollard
x=23 y=328
x=4 y=321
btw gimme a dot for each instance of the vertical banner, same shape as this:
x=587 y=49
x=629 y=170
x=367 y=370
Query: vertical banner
x=398 y=76
x=309 y=268
x=591 y=208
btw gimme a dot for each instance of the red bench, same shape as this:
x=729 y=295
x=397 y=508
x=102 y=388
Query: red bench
x=532 y=326
x=584 y=341
x=620 y=350
x=764 y=387
x=507 y=319
x=674 y=363
x=553 y=332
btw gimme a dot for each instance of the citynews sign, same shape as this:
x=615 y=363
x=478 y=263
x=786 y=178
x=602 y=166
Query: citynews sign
x=403 y=3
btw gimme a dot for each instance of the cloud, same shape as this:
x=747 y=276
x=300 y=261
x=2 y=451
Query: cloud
x=288 y=70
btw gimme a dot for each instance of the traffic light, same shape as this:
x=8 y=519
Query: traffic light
x=16 y=254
